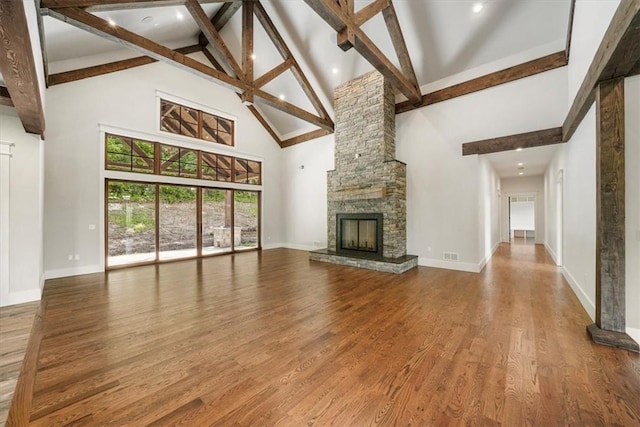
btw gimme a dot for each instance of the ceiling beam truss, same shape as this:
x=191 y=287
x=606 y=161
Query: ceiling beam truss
x=350 y=34
x=95 y=25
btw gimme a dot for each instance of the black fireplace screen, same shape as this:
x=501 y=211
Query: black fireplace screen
x=359 y=232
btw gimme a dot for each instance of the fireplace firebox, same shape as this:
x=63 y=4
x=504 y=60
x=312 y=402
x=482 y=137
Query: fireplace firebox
x=359 y=233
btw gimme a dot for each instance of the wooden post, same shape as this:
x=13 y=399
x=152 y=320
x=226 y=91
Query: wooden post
x=609 y=328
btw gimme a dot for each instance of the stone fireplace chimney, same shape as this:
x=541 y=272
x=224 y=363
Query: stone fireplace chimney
x=368 y=182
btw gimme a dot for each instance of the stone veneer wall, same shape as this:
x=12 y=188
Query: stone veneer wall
x=367 y=178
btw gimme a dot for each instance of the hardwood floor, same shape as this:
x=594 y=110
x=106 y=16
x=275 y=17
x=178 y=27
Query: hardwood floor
x=15 y=325
x=273 y=339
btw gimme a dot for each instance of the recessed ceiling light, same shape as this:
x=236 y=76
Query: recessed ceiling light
x=335 y=70
x=253 y=56
x=477 y=7
x=520 y=164
x=282 y=97
x=520 y=173
x=518 y=149
x=179 y=15
x=147 y=19
x=111 y=22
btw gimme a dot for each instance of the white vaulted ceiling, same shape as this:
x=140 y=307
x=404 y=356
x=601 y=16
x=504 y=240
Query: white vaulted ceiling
x=444 y=38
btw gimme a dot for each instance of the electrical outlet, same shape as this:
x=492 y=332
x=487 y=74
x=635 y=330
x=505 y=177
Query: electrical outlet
x=316 y=243
x=76 y=257
x=92 y=226
x=70 y=257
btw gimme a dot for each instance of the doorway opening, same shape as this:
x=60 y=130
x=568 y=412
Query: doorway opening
x=522 y=219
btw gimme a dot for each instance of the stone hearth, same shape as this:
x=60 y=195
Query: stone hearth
x=367 y=178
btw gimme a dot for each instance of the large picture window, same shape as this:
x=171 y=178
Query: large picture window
x=194 y=123
x=154 y=222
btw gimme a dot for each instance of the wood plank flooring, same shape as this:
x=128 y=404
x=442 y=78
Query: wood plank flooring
x=15 y=325
x=270 y=338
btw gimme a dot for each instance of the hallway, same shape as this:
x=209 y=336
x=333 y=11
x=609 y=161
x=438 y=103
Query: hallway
x=270 y=338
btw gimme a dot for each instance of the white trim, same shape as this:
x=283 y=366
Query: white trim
x=273 y=246
x=300 y=247
x=449 y=265
x=552 y=253
x=634 y=333
x=192 y=104
x=21 y=297
x=169 y=138
x=73 y=271
x=483 y=263
x=584 y=299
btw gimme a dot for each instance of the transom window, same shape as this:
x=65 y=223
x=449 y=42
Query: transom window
x=136 y=155
x=194 y=123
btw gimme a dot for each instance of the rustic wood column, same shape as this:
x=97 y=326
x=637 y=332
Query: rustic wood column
x=609 y=328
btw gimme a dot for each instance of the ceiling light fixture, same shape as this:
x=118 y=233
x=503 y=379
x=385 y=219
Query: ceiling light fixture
x=520 y=164
x=282 y=97
x=111 y=22
x=147 y=19
x=335 y=70
x=253 y=56
x=477 y=7
x=520 y=173
x=179 y=15
x=518 y=149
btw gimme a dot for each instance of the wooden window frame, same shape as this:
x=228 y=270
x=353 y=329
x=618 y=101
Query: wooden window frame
x=200 y=124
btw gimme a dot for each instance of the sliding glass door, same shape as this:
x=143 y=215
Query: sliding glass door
x=131 y=222
x=151 y=222
x=177 y=226
x=217 y=221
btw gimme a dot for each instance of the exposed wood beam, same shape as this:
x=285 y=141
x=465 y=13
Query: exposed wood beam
x=304 y=137
x=616 y=57
x=220 y=19
x=610 y=328
x=370 y=10
x=247 y=47
x=507 y=75
x=399 y=44
x=286 y=54
x=111 y=67
x=265 y=124
x=348 y=6
x=213 y=37
x=273 y=73
x=104 y=5
x=5 y=98
x=338 y=20
x=512 y=142
x=91 y=23
x=18 y=66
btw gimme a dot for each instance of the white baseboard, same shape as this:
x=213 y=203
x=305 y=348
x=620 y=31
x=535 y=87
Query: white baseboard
x=551 y=252
x=299 y=247
x=634 y=333
x=73 y=271
x=586 y=302
x=449 y=265
x=21 y=297
x=486 y=259
x=272 y=246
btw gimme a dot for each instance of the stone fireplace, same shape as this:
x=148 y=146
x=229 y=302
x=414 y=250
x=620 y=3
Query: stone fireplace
x=366 y=193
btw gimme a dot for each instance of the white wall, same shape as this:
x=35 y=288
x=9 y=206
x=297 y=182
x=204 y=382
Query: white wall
x=553 y=198
x=305 y=169
x=21 y=277
x=127 y=100
x=489 y=196
x=632 y=171
x=524 y=185
x=20 y=191
x=577 y=159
